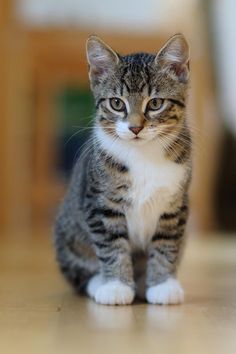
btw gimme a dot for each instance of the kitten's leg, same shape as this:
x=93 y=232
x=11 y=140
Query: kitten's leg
x=114 y=285
x=77 y=260
x=164 y=255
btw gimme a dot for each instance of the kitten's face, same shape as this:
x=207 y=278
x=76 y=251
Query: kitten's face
x=139 y=97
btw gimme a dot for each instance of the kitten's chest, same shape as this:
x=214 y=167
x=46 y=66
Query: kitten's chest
x=152 y=190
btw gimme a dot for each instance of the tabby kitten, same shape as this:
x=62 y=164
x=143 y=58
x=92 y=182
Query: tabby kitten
x=124 y=215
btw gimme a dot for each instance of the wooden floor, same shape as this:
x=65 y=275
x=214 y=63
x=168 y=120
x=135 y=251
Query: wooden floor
x=39 y=313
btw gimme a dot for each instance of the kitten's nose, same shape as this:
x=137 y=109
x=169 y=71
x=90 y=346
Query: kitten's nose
x=135 y=130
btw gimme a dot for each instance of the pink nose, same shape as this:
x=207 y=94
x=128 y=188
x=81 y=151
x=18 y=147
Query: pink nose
x=135 y=130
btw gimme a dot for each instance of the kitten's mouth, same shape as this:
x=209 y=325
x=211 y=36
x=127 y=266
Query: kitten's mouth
x=138 y=140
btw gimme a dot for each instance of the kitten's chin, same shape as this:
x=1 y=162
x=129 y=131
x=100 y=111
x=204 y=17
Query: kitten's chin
x=133 y=141
x=137 y=141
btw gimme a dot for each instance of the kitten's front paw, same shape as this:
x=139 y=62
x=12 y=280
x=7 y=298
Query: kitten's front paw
x=114 y=293
x=167 y=293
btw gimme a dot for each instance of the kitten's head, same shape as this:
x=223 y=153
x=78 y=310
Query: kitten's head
x=139 y=97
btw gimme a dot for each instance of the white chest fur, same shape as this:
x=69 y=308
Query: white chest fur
x=153 y=185
x=154 y=181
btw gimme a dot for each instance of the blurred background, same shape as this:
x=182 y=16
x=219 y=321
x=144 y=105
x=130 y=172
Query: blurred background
x=46 y=106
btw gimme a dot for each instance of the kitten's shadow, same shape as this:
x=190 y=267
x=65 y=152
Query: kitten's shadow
x=139 y=314
x=110 y=317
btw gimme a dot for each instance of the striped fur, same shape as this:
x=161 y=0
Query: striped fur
x=127 y=200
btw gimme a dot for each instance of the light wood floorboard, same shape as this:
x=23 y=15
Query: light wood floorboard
x=39 y=314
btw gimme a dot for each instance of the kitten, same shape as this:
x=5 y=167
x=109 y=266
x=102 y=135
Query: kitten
x=124 y=215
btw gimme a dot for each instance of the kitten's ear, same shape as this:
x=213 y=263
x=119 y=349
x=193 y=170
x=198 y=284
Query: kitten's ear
x=175 y=57
x=101 y=57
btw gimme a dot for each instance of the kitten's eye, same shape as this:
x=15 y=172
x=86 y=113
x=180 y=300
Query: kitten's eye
x=117 y=104
x=155 y=104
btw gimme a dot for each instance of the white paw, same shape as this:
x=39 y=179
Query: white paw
x=94 y=283
x=168 y=292
x=114 y=293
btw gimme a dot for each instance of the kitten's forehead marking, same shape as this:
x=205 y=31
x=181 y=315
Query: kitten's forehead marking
x=145 y=90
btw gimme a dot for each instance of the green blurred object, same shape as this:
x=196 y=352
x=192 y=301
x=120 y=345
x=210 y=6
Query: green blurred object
x=75 y=108
x=74 y=113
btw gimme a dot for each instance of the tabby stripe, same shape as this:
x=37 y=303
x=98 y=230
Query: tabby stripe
x=94 y=190
x=184 y=208
x=96 y=224
x=122 y=80
x=181 y=222
x=123 y=186
x=111 y=238
x=92 y=213
x=160 y=236
x=99 y=102
x=114 y=164
x=148 y=79
x=100 y=244
x=179 y=103
x=106 y=259
x=142 y=87
x=169 y=255
x=116 y=200
x=109 y=213
x=115 y=236
x=89 y=195
x=100 y=230
x=109 y=160
x=128 y=88
x=169 y=216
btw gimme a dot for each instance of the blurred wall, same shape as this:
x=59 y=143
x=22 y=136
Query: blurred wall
x=224 y=26
x=43 y=46
x=133 y=16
